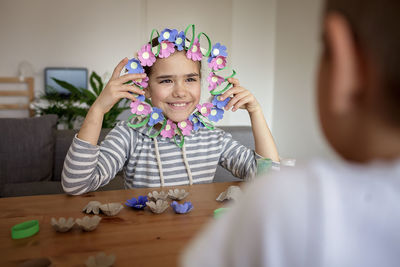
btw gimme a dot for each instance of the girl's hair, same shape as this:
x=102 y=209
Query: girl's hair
x=154 y=43
x=374 y=24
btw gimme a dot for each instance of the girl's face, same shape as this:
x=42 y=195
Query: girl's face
x=174 y=86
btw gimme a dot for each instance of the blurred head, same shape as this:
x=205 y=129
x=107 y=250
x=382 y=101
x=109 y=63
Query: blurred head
x=359 y=73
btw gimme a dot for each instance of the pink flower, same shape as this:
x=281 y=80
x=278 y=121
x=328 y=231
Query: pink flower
x=204 y=109
x=217 y=63
x=214 y=80
x=169 y=130
x=186 y=127
x=194 y=53
x=146 y=56
x=142 y=82
x=140 y=108
x=167 y=48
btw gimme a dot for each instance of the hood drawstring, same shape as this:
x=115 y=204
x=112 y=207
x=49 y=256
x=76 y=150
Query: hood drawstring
x=160 y=165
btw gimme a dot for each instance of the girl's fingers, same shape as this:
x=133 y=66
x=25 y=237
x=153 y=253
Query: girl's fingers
x=118 y=68
x=234 y=81
x=232 y=91
x=241 y=103
x=132 y=89
x=126 y=95
x=129 y=77
x=235 y=99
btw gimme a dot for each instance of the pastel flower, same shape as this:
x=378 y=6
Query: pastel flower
x=217 y=50
x=214 y=80
x=139 y=203
x=168 y=35
x=218 y=103
x=139 y=97
x=156 y=116
x=133 y=66
x=180 y=41
x=194 y=53
x=217 y=63
x=196 y=122
x=140 y=108
x=182 y=208
x=216 y=114
x=142 y=82
x=146 y=56
x=204 y=109
x=186 y=127
x=169 y=130
x=167 y=48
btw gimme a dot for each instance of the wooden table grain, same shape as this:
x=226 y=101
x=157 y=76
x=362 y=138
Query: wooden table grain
x=136 y=238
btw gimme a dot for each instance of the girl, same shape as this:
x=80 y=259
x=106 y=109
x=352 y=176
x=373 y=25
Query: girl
x=151 y=160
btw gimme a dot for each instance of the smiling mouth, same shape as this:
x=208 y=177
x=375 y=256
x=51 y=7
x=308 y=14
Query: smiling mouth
x=179 y=105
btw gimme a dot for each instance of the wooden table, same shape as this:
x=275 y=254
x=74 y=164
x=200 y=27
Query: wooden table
x=136 y=238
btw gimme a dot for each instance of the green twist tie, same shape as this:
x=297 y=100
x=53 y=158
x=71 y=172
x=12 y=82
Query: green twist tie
x=182 y=140
x=213 y=92
x=140 y=124
x=209 y=43
x=207 y=123
x=151 y=42
x=192 y=41
x=158 y=132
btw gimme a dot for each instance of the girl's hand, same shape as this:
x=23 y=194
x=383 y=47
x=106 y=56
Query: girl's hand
x=241 y=98
x=116 y=89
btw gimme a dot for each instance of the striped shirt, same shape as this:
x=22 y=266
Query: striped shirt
x=88 y=167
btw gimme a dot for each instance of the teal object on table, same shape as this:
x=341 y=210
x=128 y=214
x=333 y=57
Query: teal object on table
x=263 y=165
x=25 y=229
x=219 y=212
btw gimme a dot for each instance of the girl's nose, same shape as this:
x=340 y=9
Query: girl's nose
x=179 y=90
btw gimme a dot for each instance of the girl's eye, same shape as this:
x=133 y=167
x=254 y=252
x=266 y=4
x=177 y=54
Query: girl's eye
x=166 y=81
x=191 y=79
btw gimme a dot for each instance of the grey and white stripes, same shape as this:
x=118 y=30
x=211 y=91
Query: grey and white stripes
x=89 y=167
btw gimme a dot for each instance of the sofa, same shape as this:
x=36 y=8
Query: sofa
x=32 y=153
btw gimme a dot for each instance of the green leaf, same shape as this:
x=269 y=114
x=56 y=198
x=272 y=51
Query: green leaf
x=96 y=83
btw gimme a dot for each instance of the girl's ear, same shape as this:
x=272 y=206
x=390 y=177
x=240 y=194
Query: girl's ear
x=346 y=69
x=147 y=92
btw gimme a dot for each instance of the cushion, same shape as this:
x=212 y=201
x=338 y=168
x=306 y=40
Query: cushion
x=27 y=149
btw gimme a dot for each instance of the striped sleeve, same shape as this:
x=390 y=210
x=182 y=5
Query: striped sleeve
x=238 y=159
x=88 y=167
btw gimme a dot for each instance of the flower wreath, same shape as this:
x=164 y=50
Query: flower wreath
x=204 y=114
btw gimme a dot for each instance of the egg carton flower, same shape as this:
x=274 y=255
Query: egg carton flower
x=139 y=97
x=156 y=116
x=133 y=66
x=169 y=129
x=167 y=48
x=204 y=109
x=180 y=41
x=196 y=122
x=194 y=53
x=142 y=82
x=220 y=103
x=139 y=203
x=146 y=56
x=216 y=114
x=217 y=50
x=140 y=108
x=214 y=80
x=186 y=127
x=182 y=208
x=168 y=35
x=217 y=63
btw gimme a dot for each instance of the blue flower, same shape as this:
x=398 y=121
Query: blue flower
x=182 y=208
x=196 y=122
x=218 y=103
x=168 y=35
x=133 y=66
x=156 y=116
x=180 y=41
x=140 y=98
x=138 y=203
x=216 y=114
x=217 y=50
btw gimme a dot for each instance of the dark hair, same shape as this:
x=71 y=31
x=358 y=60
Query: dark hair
x=154 y=43
x=375 y=27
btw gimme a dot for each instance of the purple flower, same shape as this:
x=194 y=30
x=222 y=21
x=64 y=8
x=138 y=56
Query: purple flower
x=140 y=108
x=167 y=48
x=180 y=41
x=216 y=114
x=133 y=66
x=194 y=53
x=146 y=56
x=182 y=208
x=196 y=122
x=142 y=82
x=138 y=203
x=169 y=130
x=168 y=35
x=186 y=127
x=214 y=80
x=139 y=97
x=217 y=50
x=218 y=103
x=217 y=63
x=156 y=116
x=204 y=109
